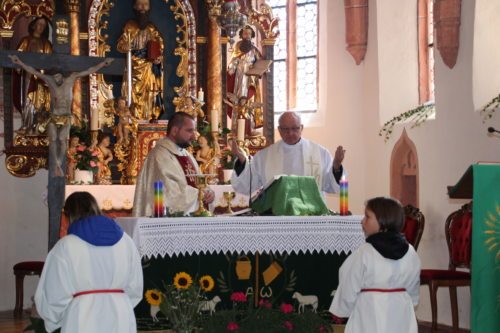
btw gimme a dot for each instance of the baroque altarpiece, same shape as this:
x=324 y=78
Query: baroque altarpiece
x=176 y=56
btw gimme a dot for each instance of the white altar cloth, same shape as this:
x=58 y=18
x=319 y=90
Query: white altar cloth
x=278 y=234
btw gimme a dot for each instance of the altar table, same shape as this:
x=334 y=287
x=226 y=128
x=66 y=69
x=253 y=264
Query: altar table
x=281 y=255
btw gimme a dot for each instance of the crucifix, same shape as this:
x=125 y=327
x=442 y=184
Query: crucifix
x=61 y=88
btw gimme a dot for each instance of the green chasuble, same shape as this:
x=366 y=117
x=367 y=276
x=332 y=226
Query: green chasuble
x=291 y=195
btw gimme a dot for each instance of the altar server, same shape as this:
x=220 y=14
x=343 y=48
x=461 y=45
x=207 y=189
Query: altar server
x=293 y=155
x=92 y=278
x=379 y=282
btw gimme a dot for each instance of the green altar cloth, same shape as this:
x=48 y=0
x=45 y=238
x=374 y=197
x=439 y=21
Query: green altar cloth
x=291 y=196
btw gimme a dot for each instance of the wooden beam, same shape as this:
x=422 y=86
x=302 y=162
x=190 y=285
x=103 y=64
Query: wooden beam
x=61 y=62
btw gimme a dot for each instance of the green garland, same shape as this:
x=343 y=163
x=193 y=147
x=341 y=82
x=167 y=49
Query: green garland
x=418 y=116
x=490 y=108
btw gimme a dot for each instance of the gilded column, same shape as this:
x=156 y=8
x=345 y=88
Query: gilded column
x=214 y=64
x=74 y=13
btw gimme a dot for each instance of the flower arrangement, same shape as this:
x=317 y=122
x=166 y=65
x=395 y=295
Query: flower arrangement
x=418 y=115
x=86 y=159
x=180 y=301
x=228 y=158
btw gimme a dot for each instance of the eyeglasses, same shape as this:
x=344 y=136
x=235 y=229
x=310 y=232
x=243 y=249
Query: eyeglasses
x=290 y=129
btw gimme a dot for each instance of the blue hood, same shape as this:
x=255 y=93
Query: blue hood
x=97 y=230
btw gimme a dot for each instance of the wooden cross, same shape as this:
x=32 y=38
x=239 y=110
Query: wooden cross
x=64 y=64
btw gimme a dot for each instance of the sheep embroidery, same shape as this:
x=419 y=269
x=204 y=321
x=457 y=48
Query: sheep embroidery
x=304 y=300
x=209 y=305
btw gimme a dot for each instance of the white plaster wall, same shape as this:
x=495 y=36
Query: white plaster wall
x=486 y=52
x=23 y=230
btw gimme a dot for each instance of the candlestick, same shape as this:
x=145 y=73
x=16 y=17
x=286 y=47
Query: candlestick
x=158 y=199
x=214 y=119
x=201 y=95
x=241 y=130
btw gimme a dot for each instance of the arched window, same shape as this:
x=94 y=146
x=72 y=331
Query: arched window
x=425 y=51
x=296 y=55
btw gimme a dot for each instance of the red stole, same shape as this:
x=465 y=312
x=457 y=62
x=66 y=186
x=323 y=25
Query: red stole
x=188 y=168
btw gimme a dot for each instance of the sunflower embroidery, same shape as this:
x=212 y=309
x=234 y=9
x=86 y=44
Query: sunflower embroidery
x=206 y=283
x=182 y=280
x=153 y=297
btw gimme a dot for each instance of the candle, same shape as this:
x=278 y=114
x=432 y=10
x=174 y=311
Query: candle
x=94 y=120
x=214 y=119
x=241 y=129
x=201 y=95
x=344 y=196
x=158 y=199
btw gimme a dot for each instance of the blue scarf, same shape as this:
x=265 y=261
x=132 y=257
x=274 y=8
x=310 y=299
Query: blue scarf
x=97 y=230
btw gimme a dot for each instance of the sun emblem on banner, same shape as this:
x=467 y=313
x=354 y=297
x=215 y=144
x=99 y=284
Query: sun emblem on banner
x=492 y=232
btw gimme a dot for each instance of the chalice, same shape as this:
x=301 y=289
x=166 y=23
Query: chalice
x=201 y=184
x=229 y=196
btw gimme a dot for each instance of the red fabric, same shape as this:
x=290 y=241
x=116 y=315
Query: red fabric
x=442 y=274
x=395 y=290
x=98 y=291
x=460 y=239
x=188 y=168
x=29 y=266
x=410 y=230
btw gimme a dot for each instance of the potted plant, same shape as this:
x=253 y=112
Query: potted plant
x=227 y=162
x=86 y=164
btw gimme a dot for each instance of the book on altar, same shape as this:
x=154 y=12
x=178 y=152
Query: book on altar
x=290 y=196
x=154 y=50
x=259 y=67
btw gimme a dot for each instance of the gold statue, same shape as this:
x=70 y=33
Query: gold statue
x=207 y=157
x=145 y=44
x=244 y=55
x=30 y=94
x=125 y=121
x=243 y=108
x=105 y=156
x=190 y=105
x=74 y=142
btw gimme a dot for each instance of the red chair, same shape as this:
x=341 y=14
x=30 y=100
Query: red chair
x=21 y=269
x=414 y=225
x=458 y=231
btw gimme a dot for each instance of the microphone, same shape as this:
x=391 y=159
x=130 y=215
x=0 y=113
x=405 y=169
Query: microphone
x=493 y=130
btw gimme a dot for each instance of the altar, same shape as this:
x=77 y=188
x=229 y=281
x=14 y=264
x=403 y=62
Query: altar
x=282 y=256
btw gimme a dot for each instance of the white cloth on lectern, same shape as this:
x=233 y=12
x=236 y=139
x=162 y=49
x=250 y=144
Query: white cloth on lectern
x=304 y=158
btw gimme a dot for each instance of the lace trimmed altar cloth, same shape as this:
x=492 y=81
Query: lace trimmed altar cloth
x=278 y=234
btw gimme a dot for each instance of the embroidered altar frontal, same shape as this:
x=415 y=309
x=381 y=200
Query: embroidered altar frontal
x=268 y=258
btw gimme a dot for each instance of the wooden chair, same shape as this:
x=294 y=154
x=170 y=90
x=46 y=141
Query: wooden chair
x=21 y=269
x=414 y=225
x=458 y=231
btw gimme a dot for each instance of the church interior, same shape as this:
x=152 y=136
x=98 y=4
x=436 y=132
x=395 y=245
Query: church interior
x=407 y=88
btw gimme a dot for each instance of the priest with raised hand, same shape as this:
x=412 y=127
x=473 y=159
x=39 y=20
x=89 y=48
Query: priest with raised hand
x=171 y=163
x=293 y=155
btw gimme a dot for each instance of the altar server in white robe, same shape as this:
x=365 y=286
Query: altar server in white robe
x=92 y=278
x=379 y=282
x=293 y=155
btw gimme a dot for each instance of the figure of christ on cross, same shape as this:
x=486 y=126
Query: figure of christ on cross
x=61 y=92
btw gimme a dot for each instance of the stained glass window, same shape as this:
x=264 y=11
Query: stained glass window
x=295 y=55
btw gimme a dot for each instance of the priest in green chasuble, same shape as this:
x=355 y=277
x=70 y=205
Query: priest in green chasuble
x=171 y=163
x=293 y=155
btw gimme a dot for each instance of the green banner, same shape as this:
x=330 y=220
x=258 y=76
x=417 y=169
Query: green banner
x=485 y=310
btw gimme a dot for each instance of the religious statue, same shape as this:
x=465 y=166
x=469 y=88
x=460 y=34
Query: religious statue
x=238 y=83
x=190 y=105
x=243 y=109
x=125 y=120
x=143 y=44
x=207 y=157
x=61 y=92
x=74 y=142
x=30 y=95
x=105 y=156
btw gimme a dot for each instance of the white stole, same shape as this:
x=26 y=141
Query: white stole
x=311 y=161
